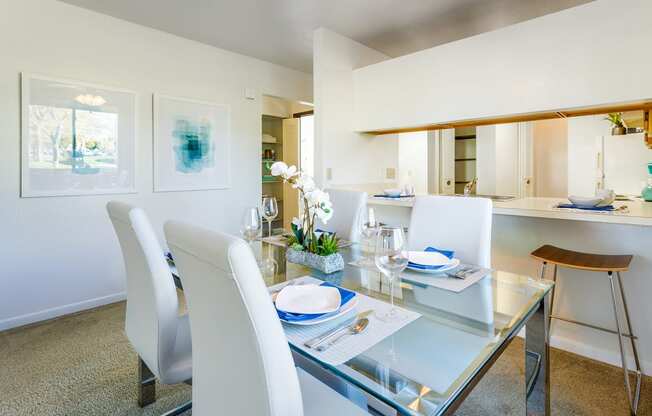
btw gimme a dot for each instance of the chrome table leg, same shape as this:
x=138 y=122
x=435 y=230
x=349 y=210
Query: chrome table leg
x=537 y=361
x=146 y=384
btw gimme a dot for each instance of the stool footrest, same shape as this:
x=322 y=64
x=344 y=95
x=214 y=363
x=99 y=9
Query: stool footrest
x=572 y=321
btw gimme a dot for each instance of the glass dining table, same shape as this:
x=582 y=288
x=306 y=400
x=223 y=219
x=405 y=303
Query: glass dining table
x=429 y=366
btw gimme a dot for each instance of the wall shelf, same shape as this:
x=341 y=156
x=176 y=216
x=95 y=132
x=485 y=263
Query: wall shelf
x=465 y=159
x=469 y=137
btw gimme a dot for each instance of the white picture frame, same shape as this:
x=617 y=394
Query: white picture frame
x=192 y=144
x=77 y=138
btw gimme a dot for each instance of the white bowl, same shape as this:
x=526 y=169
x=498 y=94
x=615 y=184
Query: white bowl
x=608 y=196
x=428 y=258
x=585 y=202
x=308 y=299
x=392 y=192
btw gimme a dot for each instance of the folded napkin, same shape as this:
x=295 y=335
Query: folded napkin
x=447 y=253
x=345 y=295
x=573 y=206
x=393 y=196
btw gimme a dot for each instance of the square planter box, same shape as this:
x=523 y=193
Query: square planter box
x=327 y=264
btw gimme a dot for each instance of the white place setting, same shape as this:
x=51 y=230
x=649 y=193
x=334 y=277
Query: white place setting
x=324 y=320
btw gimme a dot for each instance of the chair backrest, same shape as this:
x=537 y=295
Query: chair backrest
x=453 y=223
x=348 y=213
x=152 y=302
x=241 y=360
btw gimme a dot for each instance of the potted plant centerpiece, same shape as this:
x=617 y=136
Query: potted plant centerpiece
x=307 y=245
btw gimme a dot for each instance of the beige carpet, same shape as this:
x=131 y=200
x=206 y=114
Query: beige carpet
x=84 y=365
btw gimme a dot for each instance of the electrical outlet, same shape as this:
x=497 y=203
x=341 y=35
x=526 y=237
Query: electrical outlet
x=329 y=174
x=390 y=173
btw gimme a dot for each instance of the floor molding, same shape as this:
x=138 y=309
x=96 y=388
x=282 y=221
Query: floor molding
x=46 y=314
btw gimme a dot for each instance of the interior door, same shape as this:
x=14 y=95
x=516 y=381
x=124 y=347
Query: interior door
x=447 y=161
x=291 y=157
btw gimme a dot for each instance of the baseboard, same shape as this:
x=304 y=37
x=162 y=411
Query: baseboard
x=46 y=314
x=611 y=357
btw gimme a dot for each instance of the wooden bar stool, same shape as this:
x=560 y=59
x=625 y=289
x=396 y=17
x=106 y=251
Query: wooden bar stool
x=609 y=264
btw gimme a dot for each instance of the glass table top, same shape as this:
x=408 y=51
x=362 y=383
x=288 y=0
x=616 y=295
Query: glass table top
x=423 y=367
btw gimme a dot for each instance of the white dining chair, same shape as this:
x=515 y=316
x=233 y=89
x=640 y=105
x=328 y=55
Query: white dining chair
x=348 y=213
x=242 y=363
x=462 y=224
x=160 y=336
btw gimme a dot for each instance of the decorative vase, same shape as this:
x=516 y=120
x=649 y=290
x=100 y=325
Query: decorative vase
x=327 y=264
x=646 y=193
x=618 y=131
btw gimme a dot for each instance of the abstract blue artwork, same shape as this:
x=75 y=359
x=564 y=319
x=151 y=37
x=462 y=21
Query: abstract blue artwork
x=194 y=146
x=191 y=145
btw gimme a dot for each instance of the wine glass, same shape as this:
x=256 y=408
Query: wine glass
x=369 y=229
x=391 y=258
x=270 y=211
x=251 y=224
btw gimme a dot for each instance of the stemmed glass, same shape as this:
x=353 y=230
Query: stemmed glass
x=251 y=224
x=270 y=211
x=369 y=229
x=391 y=258
x=269 y=266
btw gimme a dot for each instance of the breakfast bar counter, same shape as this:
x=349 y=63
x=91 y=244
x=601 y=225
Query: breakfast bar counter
x=634 y=212
x=522 y=225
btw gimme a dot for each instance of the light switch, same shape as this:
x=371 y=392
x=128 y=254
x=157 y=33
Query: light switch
x=329 y=174
x=390 y=173
x=250 y=93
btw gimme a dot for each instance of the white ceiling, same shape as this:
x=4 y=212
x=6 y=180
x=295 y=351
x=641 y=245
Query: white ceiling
x=280 y=31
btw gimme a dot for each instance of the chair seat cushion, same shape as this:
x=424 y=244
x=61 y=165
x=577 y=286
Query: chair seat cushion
x=180 y=367
x=321 y=400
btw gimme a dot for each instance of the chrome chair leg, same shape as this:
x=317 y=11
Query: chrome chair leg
x=543 y=270
x=146 y=384
x=632 y=339
x=552 y=299
x=632 y=397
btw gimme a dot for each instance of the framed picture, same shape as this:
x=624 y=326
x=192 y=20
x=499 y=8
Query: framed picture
x=76 y=138
x=191 y=145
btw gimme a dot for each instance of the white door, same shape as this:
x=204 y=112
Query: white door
x=625 y=163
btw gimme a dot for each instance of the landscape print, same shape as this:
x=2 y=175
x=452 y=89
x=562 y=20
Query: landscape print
x=191 y=145
x=77 y=138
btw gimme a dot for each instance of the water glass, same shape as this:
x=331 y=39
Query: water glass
x=391 y=259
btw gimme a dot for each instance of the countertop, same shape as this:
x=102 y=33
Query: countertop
x=638 y=211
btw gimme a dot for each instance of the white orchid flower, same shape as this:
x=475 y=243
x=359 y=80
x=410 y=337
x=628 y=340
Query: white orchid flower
x=304 y=182
x=279 y=168
x=296 y=221
x=282 y=170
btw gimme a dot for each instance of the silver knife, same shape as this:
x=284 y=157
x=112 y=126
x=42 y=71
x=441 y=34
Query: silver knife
x=320 y=339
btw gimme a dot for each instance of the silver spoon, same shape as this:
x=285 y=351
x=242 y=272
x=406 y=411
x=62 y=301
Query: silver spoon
x=356 y=328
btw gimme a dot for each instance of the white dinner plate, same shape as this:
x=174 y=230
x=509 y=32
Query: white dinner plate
x=428 y=258
x=308 y=299
x=346 y=308
x=454 y=263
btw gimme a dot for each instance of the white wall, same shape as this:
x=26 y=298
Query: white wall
x=550 y=139
x=413 y=160
x=353 y=158
x=561 y=60
x=60 y=254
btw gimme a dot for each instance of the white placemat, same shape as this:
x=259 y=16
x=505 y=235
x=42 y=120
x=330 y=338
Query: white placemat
x=441 y=281
x=350 y=346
